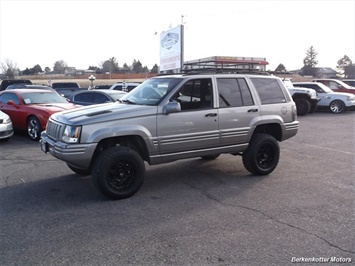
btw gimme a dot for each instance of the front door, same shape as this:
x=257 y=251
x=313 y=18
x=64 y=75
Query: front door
x=196 y=126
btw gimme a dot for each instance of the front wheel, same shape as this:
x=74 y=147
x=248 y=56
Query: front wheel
x=262 y=155
x=303 y=106
x=33 y=128
x=118 y=172
x=337 y=106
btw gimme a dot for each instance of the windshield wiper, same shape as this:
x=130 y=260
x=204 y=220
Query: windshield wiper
x=127 y=101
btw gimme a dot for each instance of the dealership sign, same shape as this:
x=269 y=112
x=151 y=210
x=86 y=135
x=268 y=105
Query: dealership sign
x=171 y=49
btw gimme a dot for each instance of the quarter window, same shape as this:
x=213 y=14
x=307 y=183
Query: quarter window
x=269 y=90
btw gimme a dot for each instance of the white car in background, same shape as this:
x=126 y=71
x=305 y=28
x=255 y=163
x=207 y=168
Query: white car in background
x=6 y=129
x=337 y=102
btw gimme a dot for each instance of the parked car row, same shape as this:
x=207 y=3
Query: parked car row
x=310 y=96
x=27 y=107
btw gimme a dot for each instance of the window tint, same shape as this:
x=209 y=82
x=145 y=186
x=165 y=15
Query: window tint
x=195 y=94
x=234 y=92
x=84 y=97
x=9 y=97
x=269 y=90
x=100 y=98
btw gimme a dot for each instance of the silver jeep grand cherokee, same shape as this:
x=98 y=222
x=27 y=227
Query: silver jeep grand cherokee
x=174 y=117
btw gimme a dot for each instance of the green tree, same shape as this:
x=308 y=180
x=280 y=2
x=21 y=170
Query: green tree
x=126 y=68
x=92 y=68
x=59 y=66
x=36 y=69
x=137 y=66
x=110 y=65
x=309 y=62
x=342 y=63
x=280 y=68
x=154 y=69
x=26 y=72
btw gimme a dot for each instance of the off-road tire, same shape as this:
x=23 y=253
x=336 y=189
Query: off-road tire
x=303 y=106
x=118 y=172
x=262 y=155
x=33 y=128
x=79 y=171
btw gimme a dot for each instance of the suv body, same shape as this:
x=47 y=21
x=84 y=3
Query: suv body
x=337 y=102
x=66 y=89
x=305 y=98
x=336 y=85
x=124 y=86
x=7 y=82
x=168 y=118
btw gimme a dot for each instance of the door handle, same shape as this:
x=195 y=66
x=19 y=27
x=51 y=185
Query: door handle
x=211 y=115
x=252 y=110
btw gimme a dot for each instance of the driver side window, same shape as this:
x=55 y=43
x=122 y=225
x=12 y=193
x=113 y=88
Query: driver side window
x=195 y=94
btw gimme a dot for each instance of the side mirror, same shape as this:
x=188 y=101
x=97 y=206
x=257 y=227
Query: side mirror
x=172 y=107
x=10 y=102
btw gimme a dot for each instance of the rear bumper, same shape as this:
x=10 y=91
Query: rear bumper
x=290 y=130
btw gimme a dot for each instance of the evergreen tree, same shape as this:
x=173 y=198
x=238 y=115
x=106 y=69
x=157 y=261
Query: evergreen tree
x=280 y=68
x=309 y=62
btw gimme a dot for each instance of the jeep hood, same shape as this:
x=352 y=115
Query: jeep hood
x=103 y=112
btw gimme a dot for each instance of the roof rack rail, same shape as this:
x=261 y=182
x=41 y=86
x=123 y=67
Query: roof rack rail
x=224 y=71
x=225 y=65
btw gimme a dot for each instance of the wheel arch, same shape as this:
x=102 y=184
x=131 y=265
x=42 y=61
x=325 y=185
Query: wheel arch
x=273 y=129
x=135 y=142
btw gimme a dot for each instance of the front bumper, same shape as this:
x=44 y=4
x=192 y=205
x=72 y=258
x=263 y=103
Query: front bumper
x=6 y=131
x=78 y=155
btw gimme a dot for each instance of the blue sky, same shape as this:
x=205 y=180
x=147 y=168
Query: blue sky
x=86 y=33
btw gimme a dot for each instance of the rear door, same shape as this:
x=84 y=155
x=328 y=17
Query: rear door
x=237 y=110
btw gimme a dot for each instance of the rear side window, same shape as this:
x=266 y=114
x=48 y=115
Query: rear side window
x=269 y=90
x=233 y=92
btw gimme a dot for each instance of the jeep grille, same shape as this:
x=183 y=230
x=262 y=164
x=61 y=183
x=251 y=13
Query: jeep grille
x=54 y=130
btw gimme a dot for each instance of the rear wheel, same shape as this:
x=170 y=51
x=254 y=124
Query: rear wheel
x=262 y=155
x=303 y=106
x=118 y=172
x=337 y=106
x=33 y=128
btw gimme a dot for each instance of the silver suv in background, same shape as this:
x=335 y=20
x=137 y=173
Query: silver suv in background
x=167 y=118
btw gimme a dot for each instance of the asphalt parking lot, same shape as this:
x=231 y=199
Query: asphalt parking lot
x=190 y=212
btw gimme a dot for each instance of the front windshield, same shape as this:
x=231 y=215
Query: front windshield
x=346 y=86
x=151 y=92
x=42 y=97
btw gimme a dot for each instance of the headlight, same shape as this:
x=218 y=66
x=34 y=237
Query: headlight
x=71 y=134
x=6 y=120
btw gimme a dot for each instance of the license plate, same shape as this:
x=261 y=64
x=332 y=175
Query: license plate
x=44 y=146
